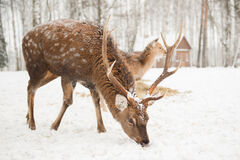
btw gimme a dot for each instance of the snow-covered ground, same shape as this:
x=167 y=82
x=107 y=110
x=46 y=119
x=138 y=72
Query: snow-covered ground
x=200 y=123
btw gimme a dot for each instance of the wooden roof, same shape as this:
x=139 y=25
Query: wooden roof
x=184 y=44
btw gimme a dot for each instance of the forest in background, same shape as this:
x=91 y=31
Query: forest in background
x=212 y=27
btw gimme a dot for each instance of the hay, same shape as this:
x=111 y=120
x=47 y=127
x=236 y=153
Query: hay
x=142 y=90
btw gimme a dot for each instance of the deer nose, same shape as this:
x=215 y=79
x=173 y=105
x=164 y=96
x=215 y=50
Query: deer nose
x=144 y=142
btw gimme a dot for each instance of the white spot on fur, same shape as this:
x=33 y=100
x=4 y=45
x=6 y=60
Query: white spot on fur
x=84 y=60
x=34 y=44
x=76 y=33
x=91 y=50
x=61 y=49
x=65 y=35
x=72 y=49
x=56 y=44
x=121 y=102
x=52 y=48
x=82 y=49
x=77 y=54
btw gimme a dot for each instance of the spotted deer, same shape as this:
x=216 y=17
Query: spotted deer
x=141 y=62
x=86 y=53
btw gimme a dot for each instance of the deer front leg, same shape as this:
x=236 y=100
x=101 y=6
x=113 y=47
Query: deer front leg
x=67 y=87
x=96 y=99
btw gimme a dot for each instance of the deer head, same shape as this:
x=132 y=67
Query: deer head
x=134 y=117
x=156 y=47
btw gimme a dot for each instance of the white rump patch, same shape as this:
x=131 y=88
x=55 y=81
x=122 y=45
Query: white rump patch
x=121 y=102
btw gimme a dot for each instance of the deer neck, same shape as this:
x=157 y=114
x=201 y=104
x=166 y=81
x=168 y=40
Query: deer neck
x=108 y=90
x=147 y=58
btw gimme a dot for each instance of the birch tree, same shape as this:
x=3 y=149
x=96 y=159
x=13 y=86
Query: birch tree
x=36 y=13
x=18 y=65
x=3 y=53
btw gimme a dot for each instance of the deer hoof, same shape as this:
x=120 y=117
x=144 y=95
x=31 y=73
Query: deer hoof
x=101 y=130
x=54 y=127
x=31 y=124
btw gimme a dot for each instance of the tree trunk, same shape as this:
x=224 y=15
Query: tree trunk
x=73 y=9
x=3 y=53
x=14 y=38
x=204 y=56
x=48 y=13
x=99 y=12
x=23 y=17
x=36 y=13
x=200 y=36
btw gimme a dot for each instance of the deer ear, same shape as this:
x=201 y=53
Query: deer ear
x=156 y=40
x=121 y=102
x=153 y=43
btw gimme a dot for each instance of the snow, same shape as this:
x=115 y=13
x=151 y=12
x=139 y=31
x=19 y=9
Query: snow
x=202 y=122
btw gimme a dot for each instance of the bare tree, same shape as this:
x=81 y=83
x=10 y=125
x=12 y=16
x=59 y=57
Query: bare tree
x=36 y=14
x=204 y=54
x=202 y=58
x=3 y=53
x=23 y=13
x=18 y=65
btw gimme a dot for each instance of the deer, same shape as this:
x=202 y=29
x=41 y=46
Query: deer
x=141 y=62
x=86 y=53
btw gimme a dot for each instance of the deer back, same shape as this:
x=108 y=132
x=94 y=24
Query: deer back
x=73 y=49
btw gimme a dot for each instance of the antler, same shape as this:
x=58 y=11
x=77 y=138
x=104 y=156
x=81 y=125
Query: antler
x=110 y=76
x=165 y=73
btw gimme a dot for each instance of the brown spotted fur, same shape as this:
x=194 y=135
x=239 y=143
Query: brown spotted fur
x=72 y=50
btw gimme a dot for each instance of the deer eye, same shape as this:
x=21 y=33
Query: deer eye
x=130 y=121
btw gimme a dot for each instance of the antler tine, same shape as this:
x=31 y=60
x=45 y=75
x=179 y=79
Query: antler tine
x=154 y=98
x=164 y=41
x=169 y=54
x=104 y=43
x=179 y=36
x=110 y=76
x=177 y=41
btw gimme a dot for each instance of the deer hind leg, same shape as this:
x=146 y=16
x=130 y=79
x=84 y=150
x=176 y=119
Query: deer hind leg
x=67 y=87
x=96 y=99
x=33 y=85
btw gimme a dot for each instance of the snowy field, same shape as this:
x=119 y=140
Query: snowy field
x=200 y=123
